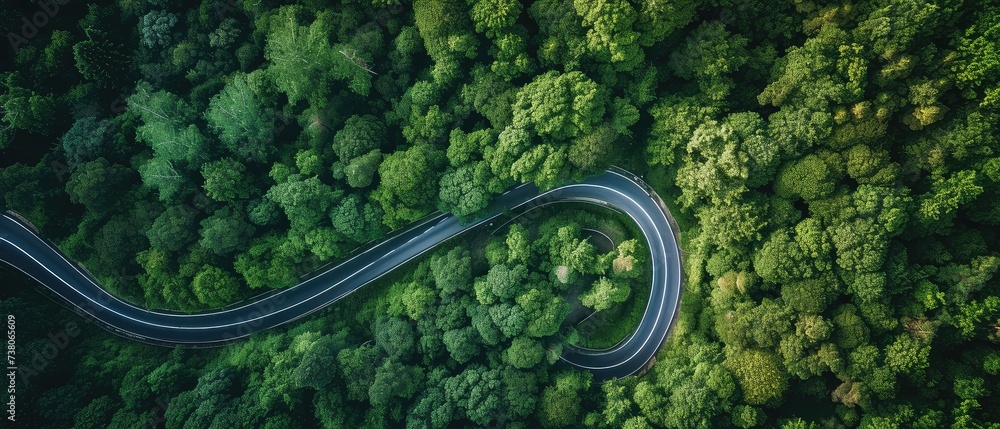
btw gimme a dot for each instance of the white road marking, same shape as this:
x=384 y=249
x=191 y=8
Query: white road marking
x=656 y=320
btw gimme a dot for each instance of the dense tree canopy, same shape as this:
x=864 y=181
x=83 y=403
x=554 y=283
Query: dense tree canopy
x=833 y=168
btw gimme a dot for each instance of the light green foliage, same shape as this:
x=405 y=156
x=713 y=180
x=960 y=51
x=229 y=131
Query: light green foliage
x=168 y=125
x=908 y=355
x=760 y=376
x=565 y=247
x=265 y=264
x=475 y=392
x=360 y=170
x=589 y=152
x=675 y=120
x=464 y=148
x=658 y=19
x=630 y=259
x=560 y=105
x=810 y=296
x=560 y=403
x=746 y=324
x=605 y=293
x=808 y=178
x=214 y=287
x=511 y=319
x=301 y=55
x=618 y=406
x=747 y=416
x=512 y=59
x=35 y=112
x=243 y=120
x=501 y=283
x=833 y=167
x=870 y=167
x=418 y=300
x=407 y=183
x=949 y=194
x=543 y=311
x=524 y=353
x=726 y=159
x=447 y=33
x=979 y=63
x=493 y=16
x=323 y=242
x=305 y=200
x=518 y=243
x=463 y=192
x=355 y=59
x=611 y=37
x=562 y=34
x=225 y=180
x=176 y=141
x=691 y=388
x=732 y=226
x=785 y=257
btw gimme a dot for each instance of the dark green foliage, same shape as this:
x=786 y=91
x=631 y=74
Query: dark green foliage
x=88 y=139
x=224 y=232
x=173 y=229
x=360 y=135
x=28 y=110
x=318 y=366
x=358 y=366
x=834 y=167
x=395 y=337
x=100 y=61
x=157 y=29
x=97 y=185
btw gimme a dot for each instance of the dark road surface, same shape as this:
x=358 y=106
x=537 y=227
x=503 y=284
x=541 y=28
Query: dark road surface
x=23 y=249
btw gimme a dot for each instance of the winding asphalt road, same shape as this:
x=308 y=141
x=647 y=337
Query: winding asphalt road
x=23 y=249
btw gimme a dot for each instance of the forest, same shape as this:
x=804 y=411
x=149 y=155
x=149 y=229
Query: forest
x=833 y=166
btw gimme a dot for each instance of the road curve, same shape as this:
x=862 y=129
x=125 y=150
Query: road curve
x=29 y=253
